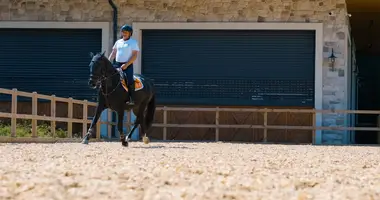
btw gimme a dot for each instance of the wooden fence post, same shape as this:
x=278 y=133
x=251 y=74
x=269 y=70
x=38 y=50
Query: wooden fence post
x=314 y=125
x=165 y=129
x=98 y=129
x=14 y=113
x=109 y=125
x=265 y=125
x=53 y=115
x=378 y=132
x=85 y=116
x=34 y=114
x=217 y=124
x=70 y=116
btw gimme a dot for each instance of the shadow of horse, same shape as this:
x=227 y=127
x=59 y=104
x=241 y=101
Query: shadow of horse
x=161 y=147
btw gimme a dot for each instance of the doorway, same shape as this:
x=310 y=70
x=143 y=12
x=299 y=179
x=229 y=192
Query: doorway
x=365 y=29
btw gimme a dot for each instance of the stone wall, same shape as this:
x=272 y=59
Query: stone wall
x=335 y=28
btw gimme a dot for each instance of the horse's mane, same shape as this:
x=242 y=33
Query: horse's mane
x=100 y=56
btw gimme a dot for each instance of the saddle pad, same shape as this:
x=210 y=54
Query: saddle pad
x=138 y=84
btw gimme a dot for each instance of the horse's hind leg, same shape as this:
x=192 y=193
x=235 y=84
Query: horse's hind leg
x=131 y=131
x=99 y=110
x=144 y=130
x=142 y=115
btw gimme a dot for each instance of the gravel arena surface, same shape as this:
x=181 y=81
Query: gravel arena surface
x=166 y=171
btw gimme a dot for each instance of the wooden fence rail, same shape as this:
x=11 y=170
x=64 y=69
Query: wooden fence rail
x=217 y=126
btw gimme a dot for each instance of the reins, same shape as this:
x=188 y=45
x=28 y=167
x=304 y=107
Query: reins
x=105 y=78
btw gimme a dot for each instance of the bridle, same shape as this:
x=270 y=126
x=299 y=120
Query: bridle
x=103 y=78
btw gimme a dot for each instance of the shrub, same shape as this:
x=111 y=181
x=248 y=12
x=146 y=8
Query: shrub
x=24 y=129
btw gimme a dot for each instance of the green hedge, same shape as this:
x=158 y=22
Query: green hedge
x=24 y=129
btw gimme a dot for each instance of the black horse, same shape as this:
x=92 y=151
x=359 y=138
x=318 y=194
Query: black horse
x=113 y=94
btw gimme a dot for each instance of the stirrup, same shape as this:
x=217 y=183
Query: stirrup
x=130 y=102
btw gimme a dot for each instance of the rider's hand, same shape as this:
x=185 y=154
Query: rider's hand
x=124 y=66
x=119 y=69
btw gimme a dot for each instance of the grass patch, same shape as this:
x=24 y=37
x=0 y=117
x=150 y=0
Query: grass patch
x=24 y=129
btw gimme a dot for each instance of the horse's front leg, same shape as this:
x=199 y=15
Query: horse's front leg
x=99 y=110
x=120 y=117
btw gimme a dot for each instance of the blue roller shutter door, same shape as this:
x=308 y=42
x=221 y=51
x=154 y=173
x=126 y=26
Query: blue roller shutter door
x=49 y=61
x=231 y=68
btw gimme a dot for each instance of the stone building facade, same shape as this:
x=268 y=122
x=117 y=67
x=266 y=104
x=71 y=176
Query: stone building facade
x=332 y=13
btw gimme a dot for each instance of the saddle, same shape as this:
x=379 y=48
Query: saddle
x=124 y=82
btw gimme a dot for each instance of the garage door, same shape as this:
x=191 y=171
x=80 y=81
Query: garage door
x=48 y=61
x=224 y=67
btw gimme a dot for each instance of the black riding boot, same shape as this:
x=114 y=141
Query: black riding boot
x=131 y=91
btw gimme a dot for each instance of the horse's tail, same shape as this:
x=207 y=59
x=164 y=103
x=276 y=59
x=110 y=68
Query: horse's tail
x=149 y=117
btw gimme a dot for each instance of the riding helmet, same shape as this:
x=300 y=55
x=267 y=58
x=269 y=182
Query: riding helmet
x=127 y=28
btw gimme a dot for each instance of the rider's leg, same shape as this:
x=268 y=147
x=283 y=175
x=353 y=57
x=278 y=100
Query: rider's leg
x=131 y=82
x=124 y=75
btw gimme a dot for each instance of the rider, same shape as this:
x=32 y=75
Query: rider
x=125 y=53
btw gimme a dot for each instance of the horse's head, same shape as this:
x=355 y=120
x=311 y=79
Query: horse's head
x=99 y=66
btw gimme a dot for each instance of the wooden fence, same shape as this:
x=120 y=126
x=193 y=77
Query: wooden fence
x=165 y=125
x=217 y=126
x=34 y=117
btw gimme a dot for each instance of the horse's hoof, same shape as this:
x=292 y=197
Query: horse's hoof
x=146 y=140
x=125 y=144
x=127 y=139
x=85 y=142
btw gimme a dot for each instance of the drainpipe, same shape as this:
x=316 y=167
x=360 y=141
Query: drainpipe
x=114 y=19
